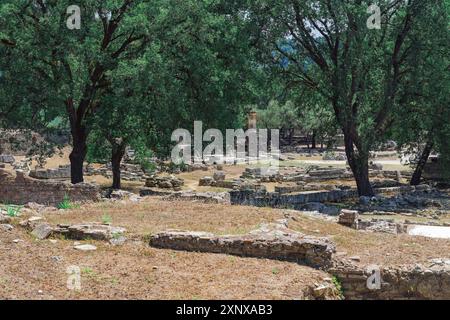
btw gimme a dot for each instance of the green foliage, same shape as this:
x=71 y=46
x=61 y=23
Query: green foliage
x=66 y=204
x=12 y=210
x=337 y=283
x=106 y=219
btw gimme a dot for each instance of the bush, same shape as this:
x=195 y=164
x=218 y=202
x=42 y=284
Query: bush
x=66 y=204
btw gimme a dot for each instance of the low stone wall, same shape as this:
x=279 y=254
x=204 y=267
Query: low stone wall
x=275 y=199
x=21 y=189
x=206 y=197
x=404 y=282
x=270 y=244
x=62 y=172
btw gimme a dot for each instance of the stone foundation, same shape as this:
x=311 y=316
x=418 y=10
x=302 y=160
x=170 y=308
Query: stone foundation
x=62 y=172
x=261 y=198
x=21 y=189
x=206 y=197
x=280 y=244
x=404 y=282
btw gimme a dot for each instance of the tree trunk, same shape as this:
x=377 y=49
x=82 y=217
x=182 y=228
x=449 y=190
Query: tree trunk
x=313 y=140
x=78 y=154
x=359 y=164
x=291 y=135
x=417 y=175
x=118 y=151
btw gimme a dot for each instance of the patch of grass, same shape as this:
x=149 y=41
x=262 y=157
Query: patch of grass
x=66 y=204
x=106 y=219
x=275 y=271
x=87 y=271
x=116 y=235
x=12 y=210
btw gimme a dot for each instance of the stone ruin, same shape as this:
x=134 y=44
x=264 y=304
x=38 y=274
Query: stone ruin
x=62 y=172
x=430 y=280
x=128 y=172
x=270 y=242
x=41 y=230
x=218 y=180
x=164 y=182
x=21 y=189
x=205 y=197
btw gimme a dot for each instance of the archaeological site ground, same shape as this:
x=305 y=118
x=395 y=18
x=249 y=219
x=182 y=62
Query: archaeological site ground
x=222 y=150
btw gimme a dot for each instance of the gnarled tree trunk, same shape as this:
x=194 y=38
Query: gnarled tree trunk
x=118 y=151
x=313 y=140
x=78 y=154
x=359 y=164
x=417 y=175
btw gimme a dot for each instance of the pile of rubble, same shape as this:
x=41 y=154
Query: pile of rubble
x=261 y=174
x=408 y=200
x=40 y=229
x=218 y=180
x=164 y=182
x=334 y=156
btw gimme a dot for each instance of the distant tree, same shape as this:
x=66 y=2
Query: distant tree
x=356 y=69
x=421 y=121
x=75 y=66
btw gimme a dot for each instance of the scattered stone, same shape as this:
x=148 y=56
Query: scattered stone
x=42 y=231
x=219 y=176
x=57 y=258
x=6 y=227
x=117 y=241
x=355 y=258
x=17 y=240
x=4 y=218
x=332 y=156
x=31 y=222
x=85 y=247
x=325 y=291
x=7 y=158
x=90 y=231
x=206 y=181
x=166 y=182
x=348 y=218
x=123 y=195
x=375 y=166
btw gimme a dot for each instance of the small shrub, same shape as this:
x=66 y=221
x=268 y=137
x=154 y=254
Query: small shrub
x=106 y=219
x=338 y=285
x=65 y=204
x=13 y=211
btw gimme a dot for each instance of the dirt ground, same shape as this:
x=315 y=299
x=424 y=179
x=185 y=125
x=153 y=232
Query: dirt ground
x=154 y=215
x=34 y=269
x=37 y=269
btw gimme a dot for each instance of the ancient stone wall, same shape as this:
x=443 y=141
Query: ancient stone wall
x=275 y=199
x=21 y=189
x=269 y=244
x=404 y=282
